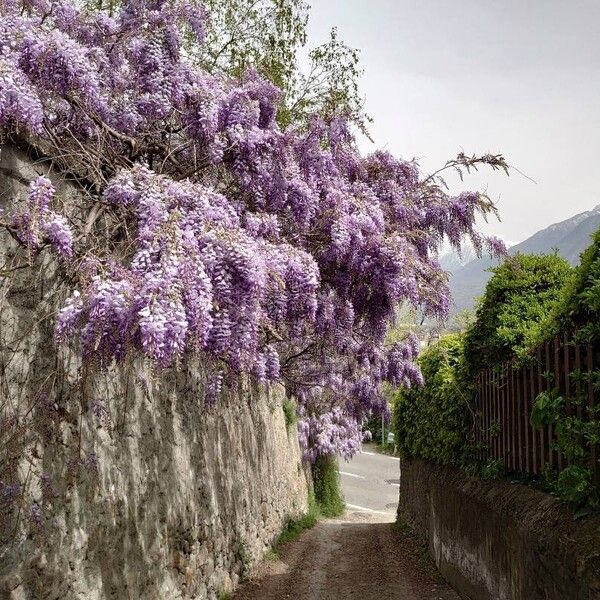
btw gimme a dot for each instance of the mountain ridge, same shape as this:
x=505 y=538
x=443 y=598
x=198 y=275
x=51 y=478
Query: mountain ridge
x=568 y=238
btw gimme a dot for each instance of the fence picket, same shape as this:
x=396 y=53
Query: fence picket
x=513 y=428
x=504 y=402
x=543 y=432
x=548 y=387
x=558 y=383
x=533 y=432
x=525 y=420
x=591 y=406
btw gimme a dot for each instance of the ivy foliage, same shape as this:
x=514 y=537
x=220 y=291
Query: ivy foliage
x=575 y=439
x=578 y=305
x=546 y=409
x=432 y=422
x=517 y=298
x=529 y=299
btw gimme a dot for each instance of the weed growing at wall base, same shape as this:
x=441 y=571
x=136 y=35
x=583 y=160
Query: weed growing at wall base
x=325 y=501
x=328 y=492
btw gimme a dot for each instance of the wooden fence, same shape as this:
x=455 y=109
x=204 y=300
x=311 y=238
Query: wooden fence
x=505 y=397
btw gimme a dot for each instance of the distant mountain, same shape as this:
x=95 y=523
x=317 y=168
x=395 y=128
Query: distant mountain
x=452 y=261
x=568 y=237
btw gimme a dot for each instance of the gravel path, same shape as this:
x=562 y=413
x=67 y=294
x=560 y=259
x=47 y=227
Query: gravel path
x=357 y=557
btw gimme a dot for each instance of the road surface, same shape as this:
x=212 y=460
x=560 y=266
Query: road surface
x=361 y=556
x=371 y=483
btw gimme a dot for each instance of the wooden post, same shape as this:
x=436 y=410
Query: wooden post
x=524 y=416
x=549 y=387
x=558 y=383
x=542 y=431
x=519 y=421
x=486 y=413
x=535 y=438
x=591 y=401
x=513 y=419
x=504 y=433
x=496 y=397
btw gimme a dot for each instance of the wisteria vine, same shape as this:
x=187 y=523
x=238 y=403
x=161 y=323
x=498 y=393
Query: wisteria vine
x=207 y=228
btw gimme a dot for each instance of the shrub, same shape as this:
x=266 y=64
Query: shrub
x=289 y=412
x=295 y=527
x=574 y=485
x=432 y=421
x=326 y=479
x=324 y=501
x=517 y=298
x=575 y=439
x=578 y=304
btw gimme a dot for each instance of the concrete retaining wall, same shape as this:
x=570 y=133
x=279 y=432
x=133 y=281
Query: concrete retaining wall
x=494 y=540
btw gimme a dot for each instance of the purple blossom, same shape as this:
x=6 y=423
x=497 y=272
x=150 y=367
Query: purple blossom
x=47 y=486
x=214 y=385
x=59 y=234
x=39 y=222
x=90 y=462
x=279 y=253
x=35 y=515
x=496 y=246
x=9 y=492
x=333 y=432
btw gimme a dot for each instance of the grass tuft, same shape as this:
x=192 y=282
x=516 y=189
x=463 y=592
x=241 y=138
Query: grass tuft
x=295 y=527
x=327 y=501
x=289 y=412
x=328 y=493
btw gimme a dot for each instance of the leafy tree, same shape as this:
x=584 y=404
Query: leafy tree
x=266 y=35
x=518 y=296
x=260 y=34
x=330 y=88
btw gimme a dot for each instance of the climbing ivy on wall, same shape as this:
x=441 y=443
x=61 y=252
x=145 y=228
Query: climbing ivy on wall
x=576 y=440
x=432 y=421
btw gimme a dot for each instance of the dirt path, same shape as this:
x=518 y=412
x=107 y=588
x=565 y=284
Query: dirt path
x=354 y=558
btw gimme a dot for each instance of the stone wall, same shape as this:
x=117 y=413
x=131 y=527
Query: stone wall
x=133 y=488
x=494 y=540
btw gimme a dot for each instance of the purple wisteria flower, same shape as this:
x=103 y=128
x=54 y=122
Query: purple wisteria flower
x=280 y=253
x=38 y=222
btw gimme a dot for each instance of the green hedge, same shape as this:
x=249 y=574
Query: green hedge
x=517 y=298
x=528 y=300
x=326 y=481
x=433 y=421
x=578 y=303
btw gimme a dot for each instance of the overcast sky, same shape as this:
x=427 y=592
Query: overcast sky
x=517 y=77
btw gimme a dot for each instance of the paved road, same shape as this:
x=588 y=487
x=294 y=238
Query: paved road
x=370 y=483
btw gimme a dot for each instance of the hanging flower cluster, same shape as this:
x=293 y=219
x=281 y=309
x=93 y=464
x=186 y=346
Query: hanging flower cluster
x=280 y=253
x=38 y=222
x=333 y=432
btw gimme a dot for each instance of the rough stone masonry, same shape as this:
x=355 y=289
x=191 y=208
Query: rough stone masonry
x=130 y=487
